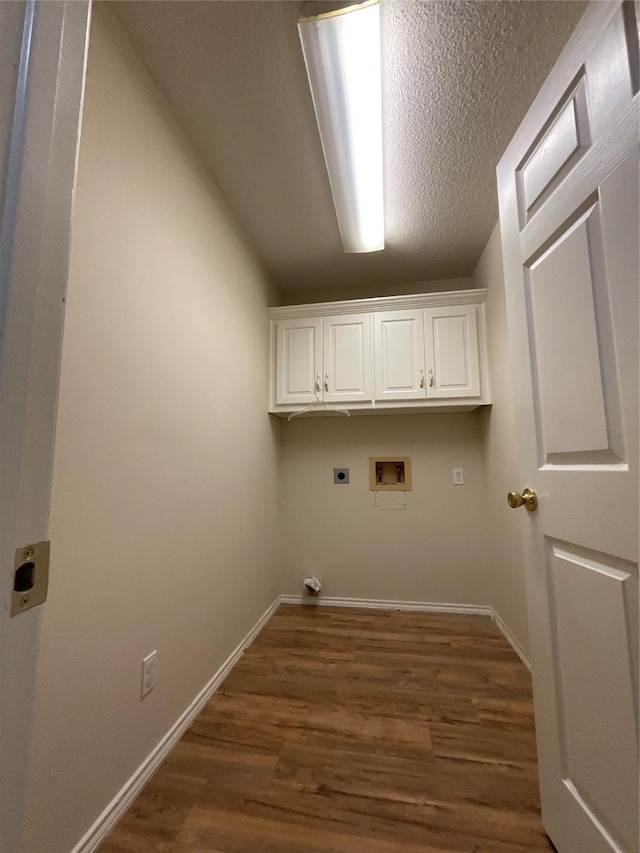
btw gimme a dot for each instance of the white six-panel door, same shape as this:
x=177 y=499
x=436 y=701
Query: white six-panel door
x=569 y=200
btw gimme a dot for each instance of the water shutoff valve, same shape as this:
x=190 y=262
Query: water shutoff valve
x=312 y=585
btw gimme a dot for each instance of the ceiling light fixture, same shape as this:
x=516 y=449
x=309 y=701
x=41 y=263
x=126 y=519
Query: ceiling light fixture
x=342 y=55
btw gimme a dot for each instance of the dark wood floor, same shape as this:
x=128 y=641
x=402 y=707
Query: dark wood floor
x=354 y=731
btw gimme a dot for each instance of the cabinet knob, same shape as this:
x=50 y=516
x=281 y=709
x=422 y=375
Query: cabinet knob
x=430 y=378
x=421 y=378
x=326 y=382
x=317 y=383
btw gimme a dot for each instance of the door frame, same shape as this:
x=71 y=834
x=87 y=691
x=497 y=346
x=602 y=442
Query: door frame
x=35 y=232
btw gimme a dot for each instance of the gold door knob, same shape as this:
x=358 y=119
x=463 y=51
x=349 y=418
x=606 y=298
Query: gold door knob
x=528 y=498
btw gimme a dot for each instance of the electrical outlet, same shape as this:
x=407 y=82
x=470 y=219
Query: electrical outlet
x=148 y=674
x=458 y=477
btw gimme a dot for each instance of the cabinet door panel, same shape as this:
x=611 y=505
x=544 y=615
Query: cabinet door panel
x=399 y=354
x=298 y=359
x=347 y=358
x=451 y=336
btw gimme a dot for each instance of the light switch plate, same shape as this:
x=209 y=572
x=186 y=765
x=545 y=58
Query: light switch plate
x=458 y=477
x=148 y=674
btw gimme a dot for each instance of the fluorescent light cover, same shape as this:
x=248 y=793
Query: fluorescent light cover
x=342 y=55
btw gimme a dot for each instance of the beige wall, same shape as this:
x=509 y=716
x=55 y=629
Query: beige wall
x=165 y=499
x=505 y=578
x=435 y=550
x=458 y=544
x=336 y=294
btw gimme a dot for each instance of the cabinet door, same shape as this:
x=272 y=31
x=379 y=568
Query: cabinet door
x=347 y=359
x=298 y=361
x=451 y=336
x=399 y=355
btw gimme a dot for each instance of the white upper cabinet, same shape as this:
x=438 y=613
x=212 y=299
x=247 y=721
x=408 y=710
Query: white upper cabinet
x=399 y=355
x=298 y=361
x=403 y=353
x=324 y=359
x=347 y=362
x=453 y=366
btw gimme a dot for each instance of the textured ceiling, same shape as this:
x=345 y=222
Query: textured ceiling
x=458 y=78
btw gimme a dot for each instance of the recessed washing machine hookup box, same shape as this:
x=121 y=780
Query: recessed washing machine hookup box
x=389 y=474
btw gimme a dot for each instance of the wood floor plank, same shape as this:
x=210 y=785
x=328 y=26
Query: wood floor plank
x=354 y=731
x=407 y=780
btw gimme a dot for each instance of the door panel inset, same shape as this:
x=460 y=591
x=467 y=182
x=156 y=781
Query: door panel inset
x=556 y=150
x=609 y=74
x=559 y=143
x=594 y=605
x=298 y=375
x=346 y=343
x=298 y=361
x=566 y=292
x=399 y=345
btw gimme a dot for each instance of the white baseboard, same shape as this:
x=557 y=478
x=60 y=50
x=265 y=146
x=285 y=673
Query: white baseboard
x=515 y=645
x=418 y=606
x=384 y=604
x=130 y=790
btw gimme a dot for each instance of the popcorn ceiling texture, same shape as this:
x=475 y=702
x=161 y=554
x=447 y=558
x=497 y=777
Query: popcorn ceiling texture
x=458 y=78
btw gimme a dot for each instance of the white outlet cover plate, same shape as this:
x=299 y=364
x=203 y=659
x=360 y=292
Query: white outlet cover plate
x=458 y=477
x=148 y=674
